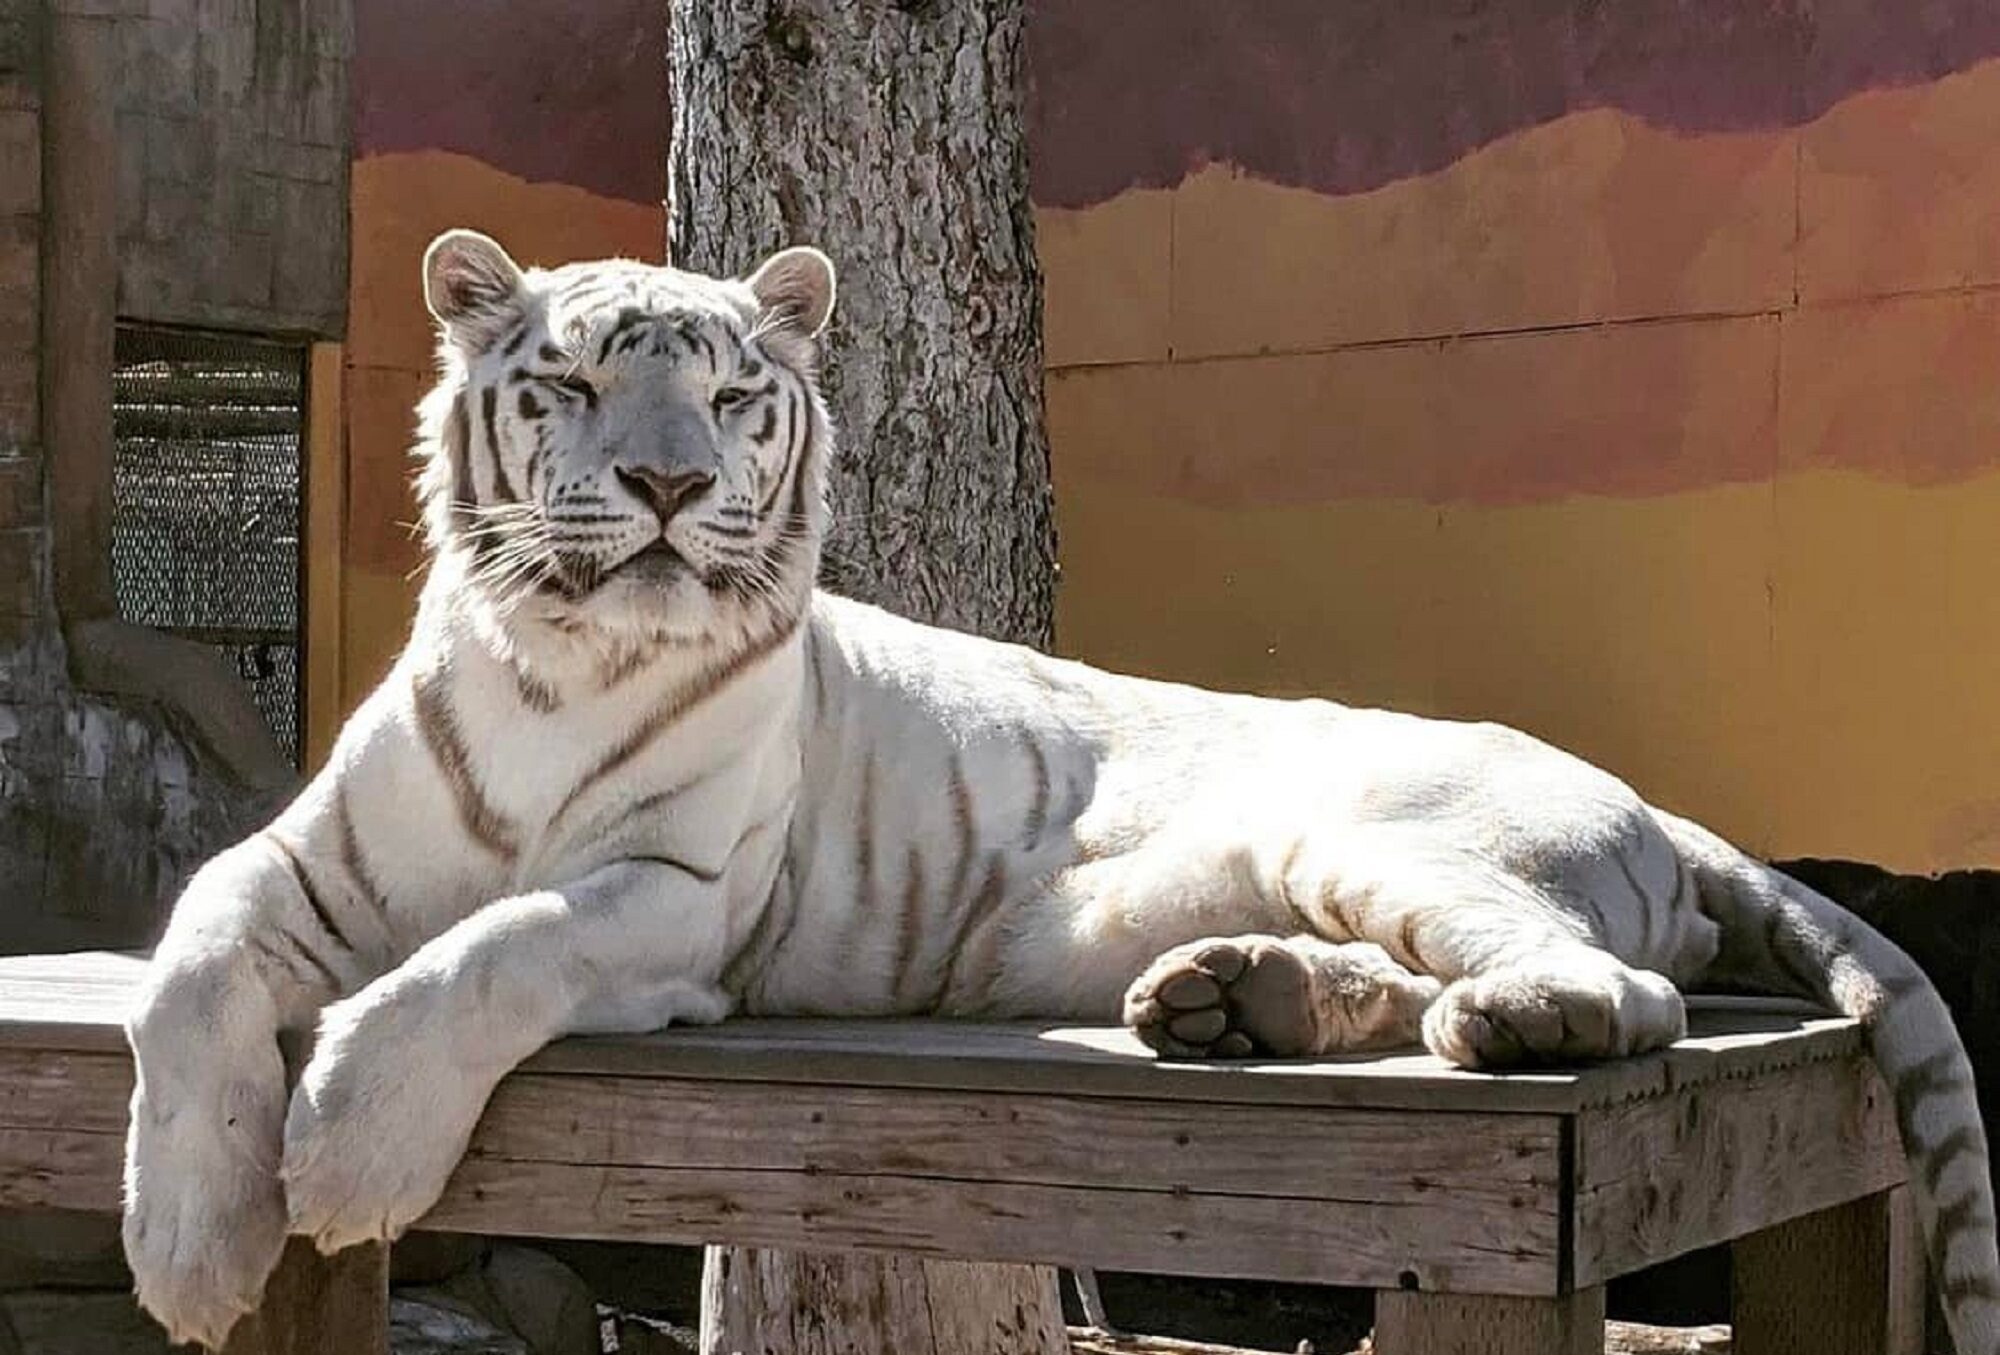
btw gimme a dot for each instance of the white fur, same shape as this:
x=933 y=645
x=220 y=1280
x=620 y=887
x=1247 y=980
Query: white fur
x=867 y=816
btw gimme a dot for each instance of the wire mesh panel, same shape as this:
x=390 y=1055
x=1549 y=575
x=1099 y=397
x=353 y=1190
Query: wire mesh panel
x=208 y=485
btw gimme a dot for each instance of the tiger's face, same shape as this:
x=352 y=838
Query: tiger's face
x=629 y=447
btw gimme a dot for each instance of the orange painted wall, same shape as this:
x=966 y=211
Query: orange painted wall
x=544 y=126
x=1677 y=445
x=401 y=201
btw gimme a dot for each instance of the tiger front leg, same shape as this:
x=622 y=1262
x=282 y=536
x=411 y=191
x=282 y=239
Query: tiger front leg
x=245 y=955
x=401 y=1071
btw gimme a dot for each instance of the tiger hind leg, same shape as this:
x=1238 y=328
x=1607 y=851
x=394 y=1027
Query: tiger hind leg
x=1269 y=996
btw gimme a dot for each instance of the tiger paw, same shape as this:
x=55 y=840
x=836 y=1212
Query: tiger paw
x=1554 y=1013
x=1226 y=998
x=378 y=1121
x=203 y=1225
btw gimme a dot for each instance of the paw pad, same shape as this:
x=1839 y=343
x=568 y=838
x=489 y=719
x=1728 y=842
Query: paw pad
x=1229 y=999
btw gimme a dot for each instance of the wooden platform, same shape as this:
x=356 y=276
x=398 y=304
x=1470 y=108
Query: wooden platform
x=1474 y=1203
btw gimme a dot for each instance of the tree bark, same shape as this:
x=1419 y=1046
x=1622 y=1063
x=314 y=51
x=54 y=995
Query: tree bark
x=888 y=133
x=756 y=1302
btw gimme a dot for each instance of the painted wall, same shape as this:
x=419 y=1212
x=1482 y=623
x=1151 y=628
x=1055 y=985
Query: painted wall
x=1628 y=372
x=544 y=125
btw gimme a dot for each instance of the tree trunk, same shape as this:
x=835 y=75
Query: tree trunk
x=756 y=1302
x=889 y=135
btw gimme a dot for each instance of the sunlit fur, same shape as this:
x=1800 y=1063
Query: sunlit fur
x=533 y=514
x=610 y=785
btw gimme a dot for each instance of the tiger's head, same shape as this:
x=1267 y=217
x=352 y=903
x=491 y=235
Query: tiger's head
x=624 y=448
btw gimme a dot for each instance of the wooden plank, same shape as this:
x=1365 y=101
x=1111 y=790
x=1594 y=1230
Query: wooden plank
x=320 y=1305
x=1207 y=1189
x=62 y=1090
x=67 y=1001
x=1910 y=1300
x=1408 y=1323
x=1843 y=1281
x=1497 y=1164
x=1366 y=1244
x=1092 y=1061
x=1663 y=1176
x=77 y=1002
x=62 y=1129
x=325 y=549
x=79 y=282
x=52 y=1169
x=1494 y=1164
x=1430 y=1214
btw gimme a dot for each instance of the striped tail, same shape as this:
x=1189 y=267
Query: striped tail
x=1780 y=937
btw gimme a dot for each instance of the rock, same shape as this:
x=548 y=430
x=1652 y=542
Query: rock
x=67 y=1322
x=529 y=1294
x=634 y=1277
x=432 y=1258
x=544 y=1301
x=1090 y=1341
x=1636 y=1338
x=638 y=1334
x=420 y=1326
x=58 y=1249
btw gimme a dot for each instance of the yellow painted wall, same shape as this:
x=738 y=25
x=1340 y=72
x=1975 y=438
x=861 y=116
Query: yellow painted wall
x=401 y=200
x=1682 y=450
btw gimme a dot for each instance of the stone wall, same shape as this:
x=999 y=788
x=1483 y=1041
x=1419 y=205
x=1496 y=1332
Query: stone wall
x=23 y=553
x=119 y=769
x=232 y=163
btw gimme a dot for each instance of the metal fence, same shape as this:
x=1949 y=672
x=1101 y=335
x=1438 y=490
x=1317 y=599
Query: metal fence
x=208 y=490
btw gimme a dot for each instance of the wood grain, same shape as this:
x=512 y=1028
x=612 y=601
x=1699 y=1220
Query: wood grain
x=1466 y=1324
x=76 y=1002
x=1035 y=1144
x=812 y=1303
x=1329 y=1242
x=1485 y=1163
x=62 y=1129
x=320 y=1305
x=1663 y=1176
x=1455 y=1199
x=1843 y=1281
x=995 y=1310
x=914 y=177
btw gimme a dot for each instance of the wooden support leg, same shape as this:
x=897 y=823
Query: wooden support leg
x=760 y=1302
x=1482 y=1324
x=320 y=1305
x=1845 y=1281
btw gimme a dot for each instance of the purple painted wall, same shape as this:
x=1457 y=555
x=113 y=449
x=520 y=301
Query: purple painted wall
x=570 y=93
x=1343 y=96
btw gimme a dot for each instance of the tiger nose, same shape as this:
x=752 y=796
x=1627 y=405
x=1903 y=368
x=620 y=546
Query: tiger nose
x=666 y=491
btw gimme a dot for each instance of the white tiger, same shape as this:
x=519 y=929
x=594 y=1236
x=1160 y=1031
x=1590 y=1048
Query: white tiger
x=632 y=769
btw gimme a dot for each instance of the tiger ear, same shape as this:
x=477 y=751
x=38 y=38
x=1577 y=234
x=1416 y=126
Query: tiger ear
x=795 y=287
x=471 y=286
